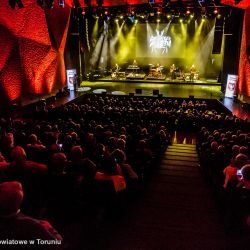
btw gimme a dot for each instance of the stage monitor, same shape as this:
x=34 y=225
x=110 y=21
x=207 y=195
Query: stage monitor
x=163 y=40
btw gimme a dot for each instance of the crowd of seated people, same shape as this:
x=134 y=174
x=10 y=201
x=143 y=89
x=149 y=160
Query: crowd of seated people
x=224 y=158
x=69 y=156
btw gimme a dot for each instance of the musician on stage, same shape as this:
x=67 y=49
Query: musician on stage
x=115 y=71
x=135 y=64
x=192 y=72
x=158 y=69
x=172 y=71
x=117 y=68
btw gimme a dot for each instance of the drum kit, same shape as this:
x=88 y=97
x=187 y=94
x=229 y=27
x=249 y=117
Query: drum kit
x=118 y=75
x=155 y=71
x=189 y=76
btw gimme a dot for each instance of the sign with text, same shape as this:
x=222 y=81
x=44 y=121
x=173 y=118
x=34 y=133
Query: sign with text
x=71 y=79
x=231 y=85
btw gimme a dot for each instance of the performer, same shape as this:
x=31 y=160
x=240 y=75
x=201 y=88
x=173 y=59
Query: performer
x=192 y=72
x=172 y=71
x=117 y=68
x=158 y=69
x=135 y=64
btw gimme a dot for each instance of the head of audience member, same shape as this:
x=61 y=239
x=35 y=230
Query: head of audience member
x=246 y=172
x=11 y=197
x=246 y=175
x=18 y=154
x=121 y=144
x=119 y=155
x=243 y=150
x=214 y=146
x=100 y=150
x=8 y=140
x=123 y=131
x=32 y=139
x=76 y=152
x=59 y=163
x=241 y=160
x=235 y=150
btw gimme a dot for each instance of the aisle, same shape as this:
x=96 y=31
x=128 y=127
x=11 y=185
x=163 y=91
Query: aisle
x=176 y=211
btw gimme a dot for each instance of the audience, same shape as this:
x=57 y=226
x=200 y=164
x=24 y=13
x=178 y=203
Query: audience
x=15 y=225
x=115 y=139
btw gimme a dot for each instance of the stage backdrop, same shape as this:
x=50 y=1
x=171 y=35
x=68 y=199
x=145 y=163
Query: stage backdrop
x=32 y=42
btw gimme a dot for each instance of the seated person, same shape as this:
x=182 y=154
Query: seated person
x=230 y=171
x=245 y=181
x=15 y=225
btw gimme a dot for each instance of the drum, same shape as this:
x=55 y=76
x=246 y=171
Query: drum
x=113 y=75
x=187 y=77
x=196 y=76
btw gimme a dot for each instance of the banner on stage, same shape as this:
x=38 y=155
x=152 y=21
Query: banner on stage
x=71 y=79
x=231 y=85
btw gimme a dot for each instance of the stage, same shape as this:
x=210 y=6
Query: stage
x=161 y=80
x=201 y=89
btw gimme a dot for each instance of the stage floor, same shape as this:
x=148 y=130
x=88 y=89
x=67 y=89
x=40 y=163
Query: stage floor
x=167 y=90
x=164 y=80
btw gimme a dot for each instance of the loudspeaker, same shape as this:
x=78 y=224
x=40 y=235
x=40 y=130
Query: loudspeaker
x=191 y=97
x=138 y=91
x=131 y=94
x=155 y=92
x=160 y=95
x=218 y=34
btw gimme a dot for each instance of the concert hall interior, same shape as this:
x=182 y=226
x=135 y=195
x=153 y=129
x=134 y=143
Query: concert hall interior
x=125 y=124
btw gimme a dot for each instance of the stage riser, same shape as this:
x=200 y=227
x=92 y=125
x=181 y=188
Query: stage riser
x=175 y=82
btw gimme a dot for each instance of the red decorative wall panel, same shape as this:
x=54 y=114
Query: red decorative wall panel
x=244 y=66
x=32 y=42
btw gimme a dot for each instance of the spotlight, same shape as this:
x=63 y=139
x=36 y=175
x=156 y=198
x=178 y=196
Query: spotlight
x=181 y=20
x=215 y=11
x=188 y=11
x=158 y=20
